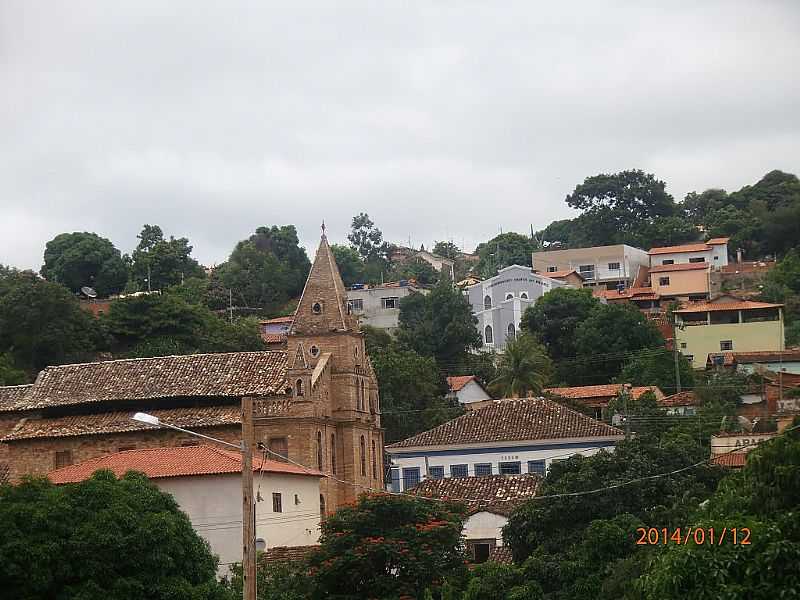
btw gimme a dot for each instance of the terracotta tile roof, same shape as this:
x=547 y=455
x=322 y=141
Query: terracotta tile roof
x=274 y=338
x=700 y=247
x=120 y=422
x=502 y=555
x=585 y=392
x=557 y=274
x=458 y=382
x=498 y=494
x=686 y=398
x=12 y=397
x=718 y=241
x=278 y=320
x=734 y=460
x=180 y=461
x=632 y=293
x=512 y=420
x=679 y=267
x=712 y=306
x=286 y=554
x=208 y=375
x=760 y=356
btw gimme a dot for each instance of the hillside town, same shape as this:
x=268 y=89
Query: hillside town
x=440 y=303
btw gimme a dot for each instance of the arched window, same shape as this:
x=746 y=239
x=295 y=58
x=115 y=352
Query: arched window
x=363 y=395
x=321 y=506
x=298 y=386
x=319 y=450
x=524 y=295
x=363 y=457
x=487 y=302
x=512 y=331
x=316 y=308
x=333 y=453
x=487 y=335
x=374 y=461
x=509 y=296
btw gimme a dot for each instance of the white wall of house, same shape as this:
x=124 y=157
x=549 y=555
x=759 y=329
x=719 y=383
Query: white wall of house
x=598 y=264
x=484 y=526
x=214 y=505
x=716 y=256
x=547 y=451
x=369 y=304
x=472 y=392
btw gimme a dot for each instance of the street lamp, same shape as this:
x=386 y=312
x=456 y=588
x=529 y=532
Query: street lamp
x=249 y=543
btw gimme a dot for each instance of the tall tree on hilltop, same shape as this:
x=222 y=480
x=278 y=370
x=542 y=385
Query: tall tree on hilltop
x=351 y=268
x=503 y=250
x=555 y=318
x=165 y=262
x=84 y=259
x=366 y=238
x=267 y=270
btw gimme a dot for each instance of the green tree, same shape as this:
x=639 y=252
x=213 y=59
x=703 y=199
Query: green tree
x=415 y=268
x=555 y=318
x=388 y=546
x=41 y=324
x=102 y=538
x=84 y=259
x=165 y=262
x=266 y=270
x=609 y=336
x=446 y=249
x=9 y=373
x=786 y=272
x=366 y=239
x=155 y=325
x=349 y=262
x=657 y=367
x=504 y=250
x=439 y=324
x=524 y=368
x=411 y=390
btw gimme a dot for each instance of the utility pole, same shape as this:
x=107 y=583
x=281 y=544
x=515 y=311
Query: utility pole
x=149 y=289
x=248 y=507
x=230 y=304
x=625 y=394
x=675 y=353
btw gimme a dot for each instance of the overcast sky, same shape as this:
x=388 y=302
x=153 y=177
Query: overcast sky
x=442 y=120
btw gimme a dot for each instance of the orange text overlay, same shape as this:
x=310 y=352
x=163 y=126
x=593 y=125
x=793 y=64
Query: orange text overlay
x=693 y=535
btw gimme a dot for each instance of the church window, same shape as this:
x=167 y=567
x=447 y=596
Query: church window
x=509 y=296
x=363 y=457
x=374 y=461
x=322 y=506
x=487 y=335
x=524 y=295
x=299 y=387
x=316 y=308
x=333 y=453
x=512 y=332
x=319 y=450
x=487 y=302
x=314 y=351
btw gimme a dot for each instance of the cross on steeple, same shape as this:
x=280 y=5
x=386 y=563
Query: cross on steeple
x=323 y=227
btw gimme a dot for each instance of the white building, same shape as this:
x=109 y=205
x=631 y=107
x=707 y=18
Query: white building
x=714 y=252
x=505 y=437
x=600 y=266
x=206 y=482
x=500 y=301
x=379 y=305
x=491 y=501
x=467 y=389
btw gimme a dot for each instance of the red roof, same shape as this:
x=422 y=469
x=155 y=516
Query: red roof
x=558 y=274
x=718 y=241
x=678 y=249
x=731 y=459
x=600 y=391
x=686 y=398
x=714 y=306
x=756 y=356
x=180 y=461
x=632 y=293
x=458 y=382
x=679 y=267
x=278 y=320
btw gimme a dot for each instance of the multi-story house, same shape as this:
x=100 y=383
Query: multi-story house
x=680 y=281
x=714 y=252
x=727 y=324
x=610 y=267
x=379 y=305
x=505 y=437
x=500 y=301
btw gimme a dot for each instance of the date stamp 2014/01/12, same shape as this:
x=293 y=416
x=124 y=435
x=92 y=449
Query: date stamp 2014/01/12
x=651 y=536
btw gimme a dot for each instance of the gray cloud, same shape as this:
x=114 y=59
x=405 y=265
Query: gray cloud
x=442 y=120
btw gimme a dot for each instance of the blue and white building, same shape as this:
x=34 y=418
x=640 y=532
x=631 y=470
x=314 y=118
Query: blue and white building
x=505 y=437
x=500 y=301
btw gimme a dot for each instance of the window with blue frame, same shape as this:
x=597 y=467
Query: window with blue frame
x=394 y=484
x=510 y=468
x=459 y=471
x=537 y=467
x=436 y=472
x=410 y=477
x=483 y=469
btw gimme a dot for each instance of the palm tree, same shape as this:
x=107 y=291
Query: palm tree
x=524 y=368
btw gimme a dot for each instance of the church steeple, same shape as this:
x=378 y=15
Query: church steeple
x=323 y=305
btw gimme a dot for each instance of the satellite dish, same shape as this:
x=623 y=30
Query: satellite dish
x=88 y=292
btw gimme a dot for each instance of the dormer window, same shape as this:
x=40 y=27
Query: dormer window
x=316 y=308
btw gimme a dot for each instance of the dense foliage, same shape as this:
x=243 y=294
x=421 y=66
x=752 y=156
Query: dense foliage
x=502 y=251
x=83 y=259
x=158 y=263
x=523 y=369
x=99 y=539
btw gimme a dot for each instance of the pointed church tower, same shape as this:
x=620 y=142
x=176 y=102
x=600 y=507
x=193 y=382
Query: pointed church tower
x=333 y=389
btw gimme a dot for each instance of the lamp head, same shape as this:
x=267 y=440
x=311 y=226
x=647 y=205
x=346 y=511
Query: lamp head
x=145 y=418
